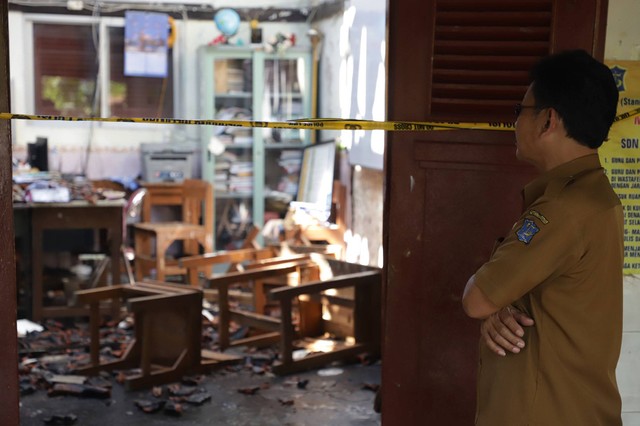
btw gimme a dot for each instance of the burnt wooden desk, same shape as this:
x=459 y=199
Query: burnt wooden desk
x=40 y=217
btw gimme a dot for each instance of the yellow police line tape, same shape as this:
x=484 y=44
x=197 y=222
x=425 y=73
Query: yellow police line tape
x=304 y=123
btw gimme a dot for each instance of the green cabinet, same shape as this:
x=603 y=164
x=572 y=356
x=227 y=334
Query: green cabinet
x=254 y=171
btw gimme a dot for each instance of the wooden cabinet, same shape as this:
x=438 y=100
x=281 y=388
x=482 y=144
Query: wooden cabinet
x=254 y=171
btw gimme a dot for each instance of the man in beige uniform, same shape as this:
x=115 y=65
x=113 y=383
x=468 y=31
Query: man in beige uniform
x=559 y=270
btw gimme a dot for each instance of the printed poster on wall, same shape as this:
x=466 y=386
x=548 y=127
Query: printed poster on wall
x=145 y=50
x=620 y=157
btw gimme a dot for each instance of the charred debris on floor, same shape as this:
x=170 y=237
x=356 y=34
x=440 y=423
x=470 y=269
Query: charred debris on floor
x=49 y=359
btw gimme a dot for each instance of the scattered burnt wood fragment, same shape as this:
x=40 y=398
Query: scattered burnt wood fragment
x=198 y=398
x=148 y=406
x=259 y=359
x=249 y=391
x=27 y=389
x=83 y=391
x=99 y=381
x=173 y=408
x=178 y=390
x=70 y=379
x=157 y=391
x=371 y=386
x=61 y=420
x=367 y=358
x=260 y=369
x=192 y=380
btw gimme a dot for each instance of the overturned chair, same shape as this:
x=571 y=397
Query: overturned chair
x=168 y=333
x=322 y=286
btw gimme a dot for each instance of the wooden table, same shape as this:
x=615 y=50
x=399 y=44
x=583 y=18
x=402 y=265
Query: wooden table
x=107 y=215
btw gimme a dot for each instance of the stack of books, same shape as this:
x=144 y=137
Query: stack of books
x=221 y=178
x=241 y=177
x=221 y=172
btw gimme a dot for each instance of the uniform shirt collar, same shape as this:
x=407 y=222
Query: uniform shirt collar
x=536 y=188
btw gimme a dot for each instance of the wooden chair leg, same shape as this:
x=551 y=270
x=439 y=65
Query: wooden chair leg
x=145 y=355
x=127 y=265
x=94 y=325
x=162 y=244
x=310 y=313
x=286 y=338
x=142 y=251
x=224 y=317
x=259 y=298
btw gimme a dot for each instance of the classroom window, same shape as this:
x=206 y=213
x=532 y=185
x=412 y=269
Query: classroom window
x=65 y=69
x=67 y=64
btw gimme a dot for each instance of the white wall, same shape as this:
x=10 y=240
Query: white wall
x=623 y=43
x=353 y=80
x=623 y=31
x=352 y=85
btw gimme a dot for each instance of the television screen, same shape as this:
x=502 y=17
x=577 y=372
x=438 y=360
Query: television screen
x=316 y=179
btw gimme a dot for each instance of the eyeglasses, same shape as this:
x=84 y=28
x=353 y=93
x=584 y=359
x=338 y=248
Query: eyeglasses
x=519 y=107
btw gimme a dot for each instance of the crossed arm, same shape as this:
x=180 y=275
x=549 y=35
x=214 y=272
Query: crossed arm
x=501 y=328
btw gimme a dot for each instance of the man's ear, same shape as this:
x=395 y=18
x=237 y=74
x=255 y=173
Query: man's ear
x=552 y=120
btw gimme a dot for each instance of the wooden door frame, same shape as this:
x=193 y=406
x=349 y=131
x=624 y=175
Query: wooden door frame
x=9 y=408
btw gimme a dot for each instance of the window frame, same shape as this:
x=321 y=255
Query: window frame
x=102 y=25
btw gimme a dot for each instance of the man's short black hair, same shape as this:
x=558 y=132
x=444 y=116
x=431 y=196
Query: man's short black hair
x=582 y=91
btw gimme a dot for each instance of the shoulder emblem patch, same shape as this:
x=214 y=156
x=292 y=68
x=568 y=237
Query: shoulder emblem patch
x=527 y=231
x=539 y=215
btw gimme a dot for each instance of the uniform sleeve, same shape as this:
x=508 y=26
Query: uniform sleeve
x=542 y=244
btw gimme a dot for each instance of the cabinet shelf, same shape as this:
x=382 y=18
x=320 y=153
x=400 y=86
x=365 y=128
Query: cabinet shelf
x=242 y=81
x=293 y=95
x=233 y=195
x=241 y=95
x=239 y=146
x=279 y=195
x=284 y=145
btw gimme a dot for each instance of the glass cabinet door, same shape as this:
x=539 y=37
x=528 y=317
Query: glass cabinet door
x=285 y=93
x=233 y=170
x=285 y=89
x=254 y=170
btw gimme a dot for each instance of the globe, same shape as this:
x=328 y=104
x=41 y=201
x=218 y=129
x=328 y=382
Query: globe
x=227 y=21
